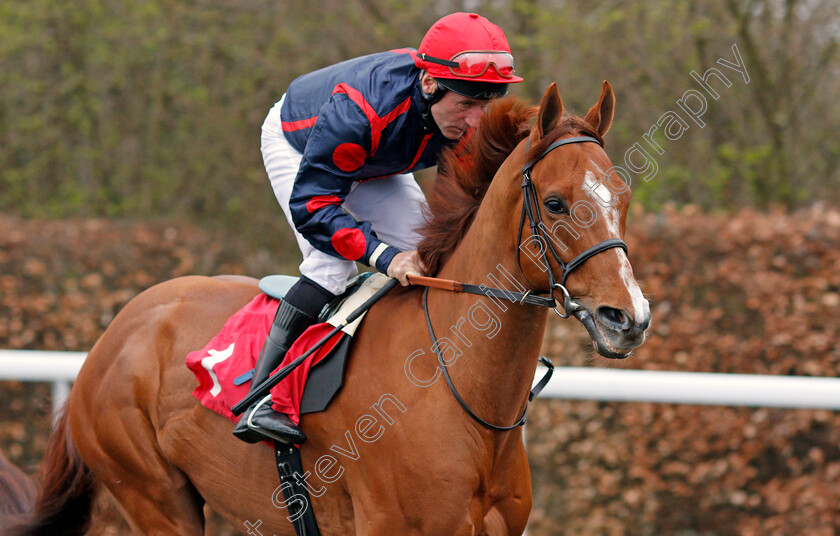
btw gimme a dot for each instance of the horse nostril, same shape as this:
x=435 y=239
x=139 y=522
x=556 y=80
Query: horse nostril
x=644 y=324
x=615 y=318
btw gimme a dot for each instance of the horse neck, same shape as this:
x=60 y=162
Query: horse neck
x=500 y=340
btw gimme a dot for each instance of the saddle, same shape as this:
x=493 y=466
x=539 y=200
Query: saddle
x=326 y=376
x=219 y=370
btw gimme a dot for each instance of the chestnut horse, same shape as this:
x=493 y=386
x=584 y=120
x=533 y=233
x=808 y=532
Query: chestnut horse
x=395 y=453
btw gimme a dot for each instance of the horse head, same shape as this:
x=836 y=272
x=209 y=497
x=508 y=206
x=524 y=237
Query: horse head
x=546 y=200
x=580 y=206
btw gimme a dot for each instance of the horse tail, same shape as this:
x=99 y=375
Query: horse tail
x=17 y=491
x=64 y=503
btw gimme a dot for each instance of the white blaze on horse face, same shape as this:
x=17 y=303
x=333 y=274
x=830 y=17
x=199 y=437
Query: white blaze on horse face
x=641 y=307
x=594 y=185
x=604 y=197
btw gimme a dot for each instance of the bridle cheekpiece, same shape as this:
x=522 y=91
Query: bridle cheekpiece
x=530 y=204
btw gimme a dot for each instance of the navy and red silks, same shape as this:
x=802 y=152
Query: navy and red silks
x=354 y=121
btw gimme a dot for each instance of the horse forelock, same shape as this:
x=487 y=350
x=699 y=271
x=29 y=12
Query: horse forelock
x=466 y=171
x=464 y=174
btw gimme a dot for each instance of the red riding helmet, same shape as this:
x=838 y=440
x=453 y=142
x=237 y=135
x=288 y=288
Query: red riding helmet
x=467 y=54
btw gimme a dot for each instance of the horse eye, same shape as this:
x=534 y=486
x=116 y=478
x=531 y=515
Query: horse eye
x=555 y=205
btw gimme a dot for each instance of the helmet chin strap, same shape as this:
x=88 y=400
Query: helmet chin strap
x=428 y=100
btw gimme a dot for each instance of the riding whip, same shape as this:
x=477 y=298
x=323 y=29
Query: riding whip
x=262 y=389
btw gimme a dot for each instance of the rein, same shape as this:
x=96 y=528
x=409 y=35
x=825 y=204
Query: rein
x=530 y=204
x=445 y=369
x=522 y=298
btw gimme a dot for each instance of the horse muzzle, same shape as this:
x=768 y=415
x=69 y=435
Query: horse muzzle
x=614 y=333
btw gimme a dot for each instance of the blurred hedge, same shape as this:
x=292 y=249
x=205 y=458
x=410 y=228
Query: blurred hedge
x=153 y=108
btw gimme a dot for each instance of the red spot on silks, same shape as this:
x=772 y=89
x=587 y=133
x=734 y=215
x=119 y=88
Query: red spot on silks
x=349 y=156
x=349 y=243
x=321 y=201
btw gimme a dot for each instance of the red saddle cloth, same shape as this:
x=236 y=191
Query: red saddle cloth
x=234 y=351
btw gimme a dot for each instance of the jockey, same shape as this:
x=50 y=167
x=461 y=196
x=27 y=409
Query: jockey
x=339 y=149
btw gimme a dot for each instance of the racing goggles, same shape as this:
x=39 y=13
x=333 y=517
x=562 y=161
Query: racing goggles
x=473 y=64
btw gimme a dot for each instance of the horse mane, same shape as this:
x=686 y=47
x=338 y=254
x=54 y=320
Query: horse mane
x=467 y=169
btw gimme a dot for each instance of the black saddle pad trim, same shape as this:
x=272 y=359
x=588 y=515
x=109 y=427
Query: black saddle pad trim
x=326 y=378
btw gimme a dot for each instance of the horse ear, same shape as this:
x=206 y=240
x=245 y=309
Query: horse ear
x=551 y=108
x=600 y=116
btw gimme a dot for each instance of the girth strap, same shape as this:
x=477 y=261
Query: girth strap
x=297 y=501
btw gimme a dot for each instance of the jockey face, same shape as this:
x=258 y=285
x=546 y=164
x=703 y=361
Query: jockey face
x=454 y=114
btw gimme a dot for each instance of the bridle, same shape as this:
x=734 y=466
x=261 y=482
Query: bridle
x=530 y=204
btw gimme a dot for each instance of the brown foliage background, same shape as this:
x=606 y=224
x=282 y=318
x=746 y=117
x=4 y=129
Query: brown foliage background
x=748 y=293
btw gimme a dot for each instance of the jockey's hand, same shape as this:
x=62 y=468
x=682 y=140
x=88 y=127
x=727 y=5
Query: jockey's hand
x=404 y=263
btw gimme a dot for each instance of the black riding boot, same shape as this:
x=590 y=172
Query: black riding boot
x=265 y=423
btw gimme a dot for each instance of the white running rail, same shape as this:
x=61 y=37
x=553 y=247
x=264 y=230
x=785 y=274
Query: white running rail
x=571 y=383
x=57 y=368
x=705 y=388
